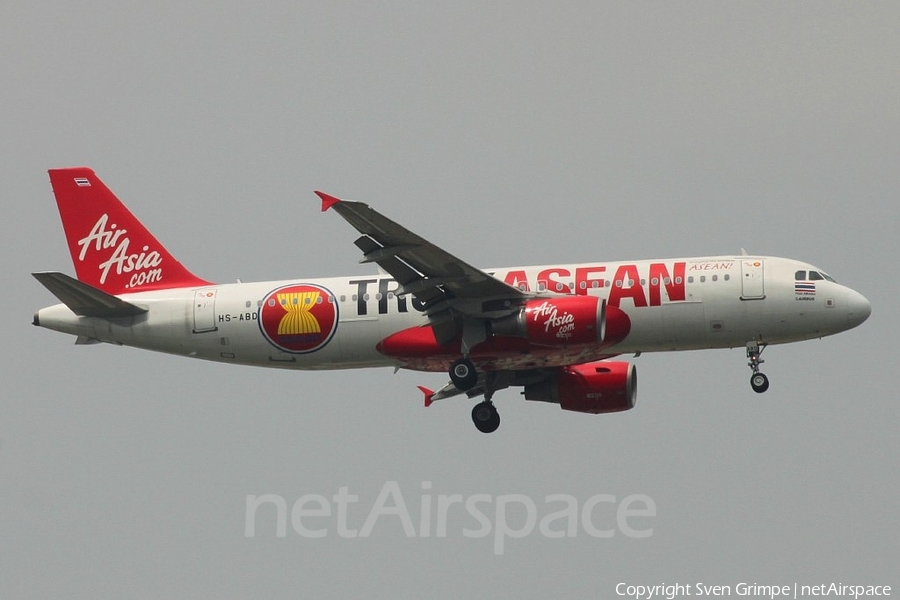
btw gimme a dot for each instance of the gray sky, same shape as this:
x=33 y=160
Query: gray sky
x=513 y=133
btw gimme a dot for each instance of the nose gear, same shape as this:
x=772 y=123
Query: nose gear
x=758 y=381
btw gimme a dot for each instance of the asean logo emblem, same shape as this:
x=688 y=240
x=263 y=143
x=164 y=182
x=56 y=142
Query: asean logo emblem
x=299 y=318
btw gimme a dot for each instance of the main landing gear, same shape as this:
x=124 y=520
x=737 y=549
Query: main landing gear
x=463 y=374
x=758 y=381
x=486 y=417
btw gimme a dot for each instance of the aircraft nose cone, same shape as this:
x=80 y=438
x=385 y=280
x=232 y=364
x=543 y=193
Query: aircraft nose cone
x=859 y=308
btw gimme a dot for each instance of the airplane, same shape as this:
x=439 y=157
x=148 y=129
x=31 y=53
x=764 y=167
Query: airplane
x=550 y=330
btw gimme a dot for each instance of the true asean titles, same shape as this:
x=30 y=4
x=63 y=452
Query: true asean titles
x=644 y=284
x=302 y=317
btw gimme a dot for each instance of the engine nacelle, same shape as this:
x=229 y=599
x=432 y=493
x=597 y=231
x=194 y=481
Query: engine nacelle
x=597 y=387
x=563 y=320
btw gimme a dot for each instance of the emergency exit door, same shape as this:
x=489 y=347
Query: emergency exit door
x=204 y=311
x=752 y=279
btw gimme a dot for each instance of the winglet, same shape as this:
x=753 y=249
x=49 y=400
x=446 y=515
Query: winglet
x=428 y=394
x=327 y=201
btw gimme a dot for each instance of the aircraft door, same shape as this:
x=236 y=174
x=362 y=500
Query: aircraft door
x=752 y=280
x=205 y=310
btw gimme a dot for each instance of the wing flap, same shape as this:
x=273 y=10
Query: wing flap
x=405 y=275
x=85 y=300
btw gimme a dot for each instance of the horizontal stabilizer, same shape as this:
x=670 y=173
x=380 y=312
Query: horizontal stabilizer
x=85 y=300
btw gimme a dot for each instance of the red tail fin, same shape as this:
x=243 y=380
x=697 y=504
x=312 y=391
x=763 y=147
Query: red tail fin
x=111 y=249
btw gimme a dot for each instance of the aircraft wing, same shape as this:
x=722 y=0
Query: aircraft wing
x=438 y=279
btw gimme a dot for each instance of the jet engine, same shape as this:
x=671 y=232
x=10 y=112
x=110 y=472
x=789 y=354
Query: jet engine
x=597 y=387
x=564 y=320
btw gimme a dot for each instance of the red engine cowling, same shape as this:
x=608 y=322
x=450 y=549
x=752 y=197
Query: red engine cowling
x=597 y=387
x=563 y=320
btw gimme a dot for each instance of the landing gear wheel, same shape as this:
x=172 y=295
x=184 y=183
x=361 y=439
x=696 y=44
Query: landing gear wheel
x=486 y=417
x=759 y=383
x=463 y=374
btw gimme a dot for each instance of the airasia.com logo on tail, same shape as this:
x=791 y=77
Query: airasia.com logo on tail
x=144 y=265
x=299 y=318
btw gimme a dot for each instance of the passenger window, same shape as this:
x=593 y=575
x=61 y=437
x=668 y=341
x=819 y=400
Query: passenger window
x=800 y=275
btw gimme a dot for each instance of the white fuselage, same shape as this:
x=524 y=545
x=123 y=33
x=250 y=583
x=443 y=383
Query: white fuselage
x=673 y=304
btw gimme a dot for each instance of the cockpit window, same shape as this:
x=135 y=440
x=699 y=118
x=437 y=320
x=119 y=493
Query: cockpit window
x=819 y=276
x=813 y=276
